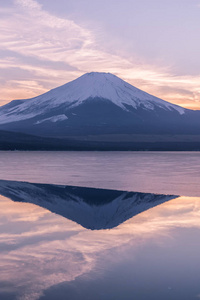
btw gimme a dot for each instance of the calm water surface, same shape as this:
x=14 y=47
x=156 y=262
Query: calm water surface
x=156 y=172
x=61 y=242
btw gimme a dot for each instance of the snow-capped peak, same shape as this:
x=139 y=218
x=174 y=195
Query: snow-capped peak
x=106 y=86
x=88 y=86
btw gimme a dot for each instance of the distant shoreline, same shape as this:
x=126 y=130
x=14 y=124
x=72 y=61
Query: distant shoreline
x=15 y=141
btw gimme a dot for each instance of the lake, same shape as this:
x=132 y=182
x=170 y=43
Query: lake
x=156 y=172
x=99 y=225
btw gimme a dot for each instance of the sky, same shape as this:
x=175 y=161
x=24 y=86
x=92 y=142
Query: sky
x=154 y=45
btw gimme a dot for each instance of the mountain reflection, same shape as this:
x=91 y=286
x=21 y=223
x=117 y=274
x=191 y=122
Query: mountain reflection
x=91 y=208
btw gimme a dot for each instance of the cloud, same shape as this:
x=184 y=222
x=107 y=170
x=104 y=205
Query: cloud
x=54 y=50
x=30 y=4
x=31 y=31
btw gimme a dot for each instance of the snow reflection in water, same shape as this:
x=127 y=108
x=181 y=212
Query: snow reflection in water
x=146 y=256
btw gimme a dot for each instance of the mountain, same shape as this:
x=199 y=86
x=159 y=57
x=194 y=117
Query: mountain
x=93 y=209
x=93 y=103
x=106 y=112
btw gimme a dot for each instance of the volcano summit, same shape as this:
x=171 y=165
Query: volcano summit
x=99 y=107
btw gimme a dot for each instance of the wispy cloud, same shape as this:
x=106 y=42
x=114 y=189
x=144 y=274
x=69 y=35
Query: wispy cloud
x=54 y=50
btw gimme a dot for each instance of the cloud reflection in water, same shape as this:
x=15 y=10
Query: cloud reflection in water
x=40 y=249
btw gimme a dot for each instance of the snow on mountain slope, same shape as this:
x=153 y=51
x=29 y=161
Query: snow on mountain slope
x=91 y=208
x=89 y=86
x=53 y=119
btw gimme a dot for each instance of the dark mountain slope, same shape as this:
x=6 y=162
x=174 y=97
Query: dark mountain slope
x=101 y=104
